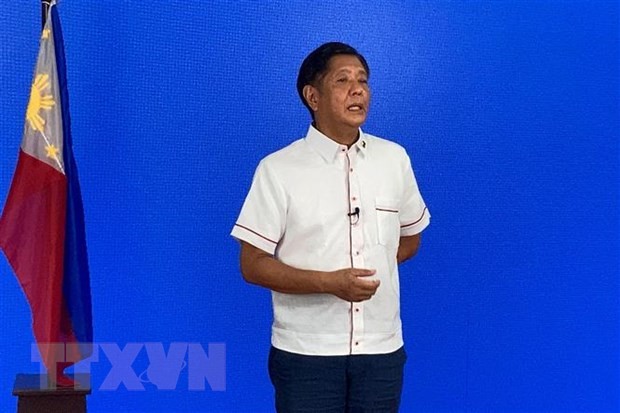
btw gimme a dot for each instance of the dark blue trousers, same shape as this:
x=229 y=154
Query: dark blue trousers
x=337 y=384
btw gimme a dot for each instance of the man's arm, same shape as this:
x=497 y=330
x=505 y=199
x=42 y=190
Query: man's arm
x=261 y=268
x=408 y=247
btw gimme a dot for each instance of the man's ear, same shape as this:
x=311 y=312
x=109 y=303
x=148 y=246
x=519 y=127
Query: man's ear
x=311 y=94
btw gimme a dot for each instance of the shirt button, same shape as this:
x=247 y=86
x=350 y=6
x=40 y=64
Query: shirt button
x=357 y=253
x=351 y=170
x=357 y=343
x=354 y=199
x=357 y=310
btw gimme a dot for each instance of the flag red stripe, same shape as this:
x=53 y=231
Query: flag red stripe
x=32 y=231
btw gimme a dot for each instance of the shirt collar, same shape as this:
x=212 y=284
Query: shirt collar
x=329 y=148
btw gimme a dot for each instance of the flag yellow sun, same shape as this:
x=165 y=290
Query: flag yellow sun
x=39 y=101
x=51 y=151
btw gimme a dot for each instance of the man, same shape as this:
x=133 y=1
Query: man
x=324 y=225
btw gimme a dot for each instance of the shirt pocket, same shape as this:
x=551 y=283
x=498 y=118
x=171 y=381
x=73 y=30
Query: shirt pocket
x=388 y=223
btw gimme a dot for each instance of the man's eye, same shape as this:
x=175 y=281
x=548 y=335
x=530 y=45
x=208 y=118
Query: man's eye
x=363 y=80
x=341 y=79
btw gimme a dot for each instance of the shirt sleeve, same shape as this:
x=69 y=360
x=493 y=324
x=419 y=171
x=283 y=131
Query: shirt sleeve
x=262 y=218
x=414 y=216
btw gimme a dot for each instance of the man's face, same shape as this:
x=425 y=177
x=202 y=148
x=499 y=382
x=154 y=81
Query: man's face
x=342 y=94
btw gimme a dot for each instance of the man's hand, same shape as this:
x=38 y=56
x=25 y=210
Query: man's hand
x=350 y=285
x=261 y=268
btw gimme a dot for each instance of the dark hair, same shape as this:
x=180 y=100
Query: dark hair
x=315 y=65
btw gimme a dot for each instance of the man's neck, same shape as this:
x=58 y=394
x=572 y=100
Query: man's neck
x=344 y=136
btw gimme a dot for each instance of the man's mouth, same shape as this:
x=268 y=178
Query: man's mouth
x=355 y=108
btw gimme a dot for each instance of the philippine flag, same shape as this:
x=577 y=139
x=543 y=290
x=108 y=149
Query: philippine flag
x=42 y=224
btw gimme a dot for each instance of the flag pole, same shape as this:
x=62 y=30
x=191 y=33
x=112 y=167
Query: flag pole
x=45 y=6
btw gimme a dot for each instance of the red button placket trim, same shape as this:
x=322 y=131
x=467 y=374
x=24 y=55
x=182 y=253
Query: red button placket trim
x=355 y=246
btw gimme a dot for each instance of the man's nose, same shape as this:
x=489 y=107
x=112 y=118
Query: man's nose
x=357 y=88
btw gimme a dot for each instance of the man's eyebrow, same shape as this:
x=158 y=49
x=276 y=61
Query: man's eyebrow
x=347 y=70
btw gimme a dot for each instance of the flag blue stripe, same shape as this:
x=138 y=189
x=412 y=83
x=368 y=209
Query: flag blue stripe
x=76 y=280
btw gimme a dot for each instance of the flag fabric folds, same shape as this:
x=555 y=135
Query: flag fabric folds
x=42 y=224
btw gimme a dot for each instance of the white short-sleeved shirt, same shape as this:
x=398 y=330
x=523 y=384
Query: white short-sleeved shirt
x=297 y=210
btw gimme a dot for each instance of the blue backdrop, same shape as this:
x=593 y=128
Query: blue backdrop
x=509 y=110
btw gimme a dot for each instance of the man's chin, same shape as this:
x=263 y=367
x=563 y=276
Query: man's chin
x=357 y=123
x=356 y=119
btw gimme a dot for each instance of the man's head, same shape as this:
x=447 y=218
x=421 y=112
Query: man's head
x=333 y=85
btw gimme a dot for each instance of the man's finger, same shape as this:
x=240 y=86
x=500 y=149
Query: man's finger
x=368 y=285
x=362 y=272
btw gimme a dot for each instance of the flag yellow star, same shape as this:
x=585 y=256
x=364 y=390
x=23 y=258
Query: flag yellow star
x=51 y=151
x=46 y=34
